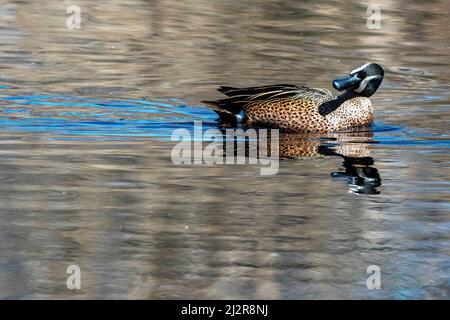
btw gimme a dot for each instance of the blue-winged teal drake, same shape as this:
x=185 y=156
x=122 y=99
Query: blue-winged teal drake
x=294 y=108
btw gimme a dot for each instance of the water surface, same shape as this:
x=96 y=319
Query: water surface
x=86 y=118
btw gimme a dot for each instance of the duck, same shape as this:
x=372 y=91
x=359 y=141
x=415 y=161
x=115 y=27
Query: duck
x=301 y=109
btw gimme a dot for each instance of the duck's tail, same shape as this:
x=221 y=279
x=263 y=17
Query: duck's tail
x=226 y=116
x=228 y=109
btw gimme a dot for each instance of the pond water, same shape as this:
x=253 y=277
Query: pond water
x=87 y=178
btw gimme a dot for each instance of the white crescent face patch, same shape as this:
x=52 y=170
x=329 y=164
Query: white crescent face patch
x=363 y=84
x=360 y=68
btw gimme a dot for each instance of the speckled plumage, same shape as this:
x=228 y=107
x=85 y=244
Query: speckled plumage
x=302 y=109
x=299 y=110
x=303 y=115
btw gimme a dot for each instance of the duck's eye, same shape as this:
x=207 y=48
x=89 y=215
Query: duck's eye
x=361 y=74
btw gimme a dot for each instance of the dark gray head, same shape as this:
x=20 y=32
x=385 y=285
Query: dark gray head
x=364 y=80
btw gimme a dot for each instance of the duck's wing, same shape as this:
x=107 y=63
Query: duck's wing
x=275 y=91
x=239 y=97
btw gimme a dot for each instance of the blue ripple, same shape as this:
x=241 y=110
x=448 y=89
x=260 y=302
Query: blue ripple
x=100 y=118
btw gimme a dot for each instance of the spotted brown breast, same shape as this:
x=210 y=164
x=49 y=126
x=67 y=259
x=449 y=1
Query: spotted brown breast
x=302 y=115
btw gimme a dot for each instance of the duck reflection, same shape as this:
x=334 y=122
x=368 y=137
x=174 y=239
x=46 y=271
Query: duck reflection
x=361 y=176
x=353 y=147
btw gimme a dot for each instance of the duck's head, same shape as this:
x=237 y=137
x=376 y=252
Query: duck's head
x=364 y=80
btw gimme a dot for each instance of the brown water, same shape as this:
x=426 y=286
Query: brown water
x=87 y=177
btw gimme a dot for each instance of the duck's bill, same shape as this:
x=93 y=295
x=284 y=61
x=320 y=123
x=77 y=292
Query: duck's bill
x=345 y=83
